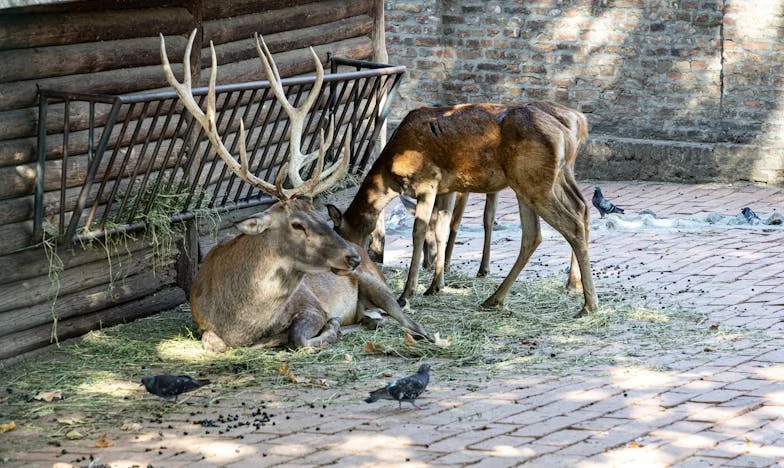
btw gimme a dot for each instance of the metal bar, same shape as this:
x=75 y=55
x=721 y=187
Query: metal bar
x=64 y=168
x=254 y=151
x=172 y=143
x=91 y=171
x=187 y=150
x=365 y=117
x=233 y=146
x=38 y=220
x=286 y=82
x=248 y=130
x=219 y=122
x=153 y=156
x=337 y=61
x=121 y=171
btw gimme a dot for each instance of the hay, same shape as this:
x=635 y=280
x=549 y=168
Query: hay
x=535 y=332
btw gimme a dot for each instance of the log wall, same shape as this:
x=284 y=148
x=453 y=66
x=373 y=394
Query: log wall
x=111 y=47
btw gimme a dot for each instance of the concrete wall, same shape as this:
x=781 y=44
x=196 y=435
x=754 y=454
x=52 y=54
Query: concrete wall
x=688 y=90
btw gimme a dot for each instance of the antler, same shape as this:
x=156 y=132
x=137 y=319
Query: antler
x=207 y=121
x=296 y=114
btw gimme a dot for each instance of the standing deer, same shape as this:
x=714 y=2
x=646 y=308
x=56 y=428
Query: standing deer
x=289 y=277
x=480 y=148
x=576 y=123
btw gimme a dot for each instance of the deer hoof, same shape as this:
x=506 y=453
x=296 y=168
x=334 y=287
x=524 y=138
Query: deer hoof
x=481 y=273
x=492 y=302
x=432 y=290
x=583 y=313
x=574 y=288
x=210 y=341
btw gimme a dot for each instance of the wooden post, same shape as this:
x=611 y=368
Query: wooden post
x=376 y=247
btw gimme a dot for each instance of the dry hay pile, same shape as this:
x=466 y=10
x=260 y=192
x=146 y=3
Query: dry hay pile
x=535 y=332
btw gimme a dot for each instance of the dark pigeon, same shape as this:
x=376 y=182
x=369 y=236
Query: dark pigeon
x=168 y=386
x=405 y=389
x=604 y=206
x=751 y=216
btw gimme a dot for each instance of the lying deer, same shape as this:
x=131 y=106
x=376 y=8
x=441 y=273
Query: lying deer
x=480 y=148
x=289 y=277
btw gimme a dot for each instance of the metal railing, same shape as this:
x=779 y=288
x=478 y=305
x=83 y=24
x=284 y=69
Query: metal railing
x=134 y=150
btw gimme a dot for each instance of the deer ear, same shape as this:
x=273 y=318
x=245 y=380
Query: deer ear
x=335 y=214
x=255 y=225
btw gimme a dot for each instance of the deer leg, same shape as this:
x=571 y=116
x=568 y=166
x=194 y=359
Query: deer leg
x=375 y=292
x=430 y=248
x=491 y=203
x=575 y=283
x=377 y=238
x=210 y=341
x=454 y=226
x=532 y=237
x=424 y=209
x=564 y=218
x=329 y=334
x=444 y=205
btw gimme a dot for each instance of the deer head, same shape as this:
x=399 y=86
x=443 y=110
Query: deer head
x=321 y=179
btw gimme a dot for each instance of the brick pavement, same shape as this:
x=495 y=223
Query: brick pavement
x=718 y=408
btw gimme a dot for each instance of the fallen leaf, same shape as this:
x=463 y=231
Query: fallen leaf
x=49 y=396
x=441 y=342
x=714 y=327
x=709 y=350
x=284 y=368
x=292 y=378
x=131 y=427
x=74 y=435
x=7 y=427
x=634 y=444
x=73 y=421
x=386 y=374
x=371 y=347
x=409 y=340
x=524 y=341
x=103 y=442
x=347 y=357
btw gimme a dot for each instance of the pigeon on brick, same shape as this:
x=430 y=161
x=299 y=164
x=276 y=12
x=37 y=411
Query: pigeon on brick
x=603 y=205
x=404 y=389
x=169 y=386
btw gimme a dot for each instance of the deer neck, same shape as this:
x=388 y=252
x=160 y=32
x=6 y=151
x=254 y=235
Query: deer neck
x=273 y=277
x=360 y=217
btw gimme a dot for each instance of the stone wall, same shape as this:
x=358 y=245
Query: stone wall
x=689 y=90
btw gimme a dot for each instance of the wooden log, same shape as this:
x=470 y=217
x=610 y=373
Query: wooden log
x=38 y=290
x=245 y=49
x=25 y=93
x=16 y=236
x=90 y=57
x=48 y=29
x=20 y=180
x=286 y=19
x=379 y=28
x=33 y=262
x=294 y=62
x=28 y=340
x=214 y=9
x=87 y=301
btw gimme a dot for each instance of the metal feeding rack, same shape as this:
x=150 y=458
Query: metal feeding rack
x=110 y=165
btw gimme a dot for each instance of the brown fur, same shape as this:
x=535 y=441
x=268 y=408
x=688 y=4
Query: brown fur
x=275 y=280
x=481 y=148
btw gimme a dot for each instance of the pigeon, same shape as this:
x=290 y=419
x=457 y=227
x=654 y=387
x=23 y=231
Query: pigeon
x=168 y=386
x=751 y=216
x=404 y=389
x=604 y=206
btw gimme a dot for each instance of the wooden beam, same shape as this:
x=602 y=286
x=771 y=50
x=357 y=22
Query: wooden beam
x=244 y=49
x=87 y=301
x=295 y=62
x=90 y=57
x=21 y=94
x=286 y=19
x=28 y=340
x=49 y=29
x=38 y=290
x=226 y=8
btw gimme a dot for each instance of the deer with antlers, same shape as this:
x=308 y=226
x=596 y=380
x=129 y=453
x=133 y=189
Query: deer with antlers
x=289 y=277
x=481 y=148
